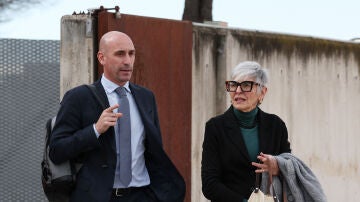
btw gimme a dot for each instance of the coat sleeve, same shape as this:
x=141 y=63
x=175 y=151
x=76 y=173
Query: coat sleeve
x=284 y=139
x=73 y=132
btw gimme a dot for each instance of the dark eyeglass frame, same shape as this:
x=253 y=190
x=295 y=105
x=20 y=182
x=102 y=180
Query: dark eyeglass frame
x=242 y=85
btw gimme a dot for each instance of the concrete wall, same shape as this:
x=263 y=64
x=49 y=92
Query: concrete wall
x=314 y=87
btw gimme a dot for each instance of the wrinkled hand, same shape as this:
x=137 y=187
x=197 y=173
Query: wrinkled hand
x=269 y=164
x=107 y=119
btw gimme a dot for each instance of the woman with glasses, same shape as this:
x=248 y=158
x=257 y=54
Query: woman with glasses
x=242 y=141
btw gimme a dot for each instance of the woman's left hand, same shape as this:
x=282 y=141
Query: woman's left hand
x=269 y=164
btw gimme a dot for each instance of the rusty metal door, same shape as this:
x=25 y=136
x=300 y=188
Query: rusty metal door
x=163 y=64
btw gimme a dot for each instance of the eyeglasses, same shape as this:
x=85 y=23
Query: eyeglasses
x=245 y=86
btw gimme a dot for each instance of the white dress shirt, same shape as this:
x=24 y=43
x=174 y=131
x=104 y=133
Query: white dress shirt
x=140 y=176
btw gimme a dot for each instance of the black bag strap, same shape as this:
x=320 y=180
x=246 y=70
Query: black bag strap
x=257 y=182
x=270 y=185
x=95 y=92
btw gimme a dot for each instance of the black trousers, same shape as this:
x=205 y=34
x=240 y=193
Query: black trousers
x=133 y=194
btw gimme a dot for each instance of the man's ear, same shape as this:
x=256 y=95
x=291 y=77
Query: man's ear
x=100 y=57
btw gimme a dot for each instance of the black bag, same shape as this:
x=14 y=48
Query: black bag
x=58 y=181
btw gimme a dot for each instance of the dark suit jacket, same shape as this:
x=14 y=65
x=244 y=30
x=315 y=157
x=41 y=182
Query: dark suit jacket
x=226 y=170
x=74 y=138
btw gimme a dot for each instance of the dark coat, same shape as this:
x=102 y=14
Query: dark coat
x=226 y=170
x=74 y=138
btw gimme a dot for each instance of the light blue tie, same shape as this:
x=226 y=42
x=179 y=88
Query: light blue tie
x=124 y=129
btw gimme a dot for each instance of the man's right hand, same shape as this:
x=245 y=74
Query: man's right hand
x=107 y=118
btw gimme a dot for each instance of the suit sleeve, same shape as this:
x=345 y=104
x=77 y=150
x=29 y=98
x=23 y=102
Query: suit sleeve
x=73 y=133
x=212 y=187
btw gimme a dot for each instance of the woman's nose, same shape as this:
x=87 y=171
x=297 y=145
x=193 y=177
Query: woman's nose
x=238 y=89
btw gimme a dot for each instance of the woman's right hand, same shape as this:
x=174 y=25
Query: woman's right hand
x=269 y=164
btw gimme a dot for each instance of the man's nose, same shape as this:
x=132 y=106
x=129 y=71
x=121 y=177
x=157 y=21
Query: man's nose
x=127 y=59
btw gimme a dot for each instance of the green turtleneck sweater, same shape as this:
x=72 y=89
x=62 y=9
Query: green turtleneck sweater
x=249 y=131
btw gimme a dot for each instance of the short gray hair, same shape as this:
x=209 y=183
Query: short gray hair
x=251 y=69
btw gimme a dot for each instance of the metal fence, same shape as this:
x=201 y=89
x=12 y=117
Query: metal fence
x=29 y=95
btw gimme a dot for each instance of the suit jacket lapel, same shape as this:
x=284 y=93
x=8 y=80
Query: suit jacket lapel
x=110 y=137
x=147 y=113
x=264 y=137
x=143 y=107
x=100 y=89
x=137 y=97
x=234 y=133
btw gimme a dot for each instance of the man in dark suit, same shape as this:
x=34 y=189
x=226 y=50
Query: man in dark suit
x=86 y=133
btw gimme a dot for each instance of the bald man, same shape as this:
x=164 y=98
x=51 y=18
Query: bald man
x=86 y=133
